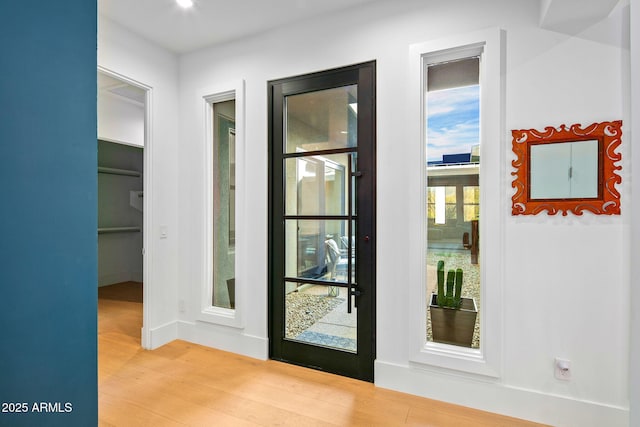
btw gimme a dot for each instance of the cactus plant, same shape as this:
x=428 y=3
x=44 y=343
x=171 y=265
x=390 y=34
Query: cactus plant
x=451 y=275
x=451 y=296
x=453 y=317
x=441 y=294
x=458 y=294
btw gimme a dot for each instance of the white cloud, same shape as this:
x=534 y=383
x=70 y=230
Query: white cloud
x=449 y=100
x=452 y=119
x=458 y=139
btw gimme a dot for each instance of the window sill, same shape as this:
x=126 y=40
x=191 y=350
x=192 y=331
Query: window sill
x=221 y=316
x=460 y=359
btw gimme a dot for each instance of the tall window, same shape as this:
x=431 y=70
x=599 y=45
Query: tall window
x=224 y=187
x=453 y=201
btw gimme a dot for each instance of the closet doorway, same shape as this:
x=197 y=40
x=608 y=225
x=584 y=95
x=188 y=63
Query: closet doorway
x=122 y=168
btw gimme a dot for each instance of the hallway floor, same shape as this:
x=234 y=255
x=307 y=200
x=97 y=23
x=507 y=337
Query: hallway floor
x=186 y=384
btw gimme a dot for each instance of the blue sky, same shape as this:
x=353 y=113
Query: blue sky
x=453 y=123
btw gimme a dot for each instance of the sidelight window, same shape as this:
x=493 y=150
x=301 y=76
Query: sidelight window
x=453 y=206
x=223 y=261
x=224 y=187
x=458 y=106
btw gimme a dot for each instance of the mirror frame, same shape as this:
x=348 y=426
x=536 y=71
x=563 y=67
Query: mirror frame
x=609 y=137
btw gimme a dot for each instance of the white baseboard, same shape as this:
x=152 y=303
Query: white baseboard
x=162 y=335
x=224 y=338
x=494 y=397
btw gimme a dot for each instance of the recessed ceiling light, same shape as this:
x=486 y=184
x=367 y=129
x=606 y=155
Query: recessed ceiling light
x=185 y=3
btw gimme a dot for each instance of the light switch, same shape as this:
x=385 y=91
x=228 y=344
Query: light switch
x=163 y=232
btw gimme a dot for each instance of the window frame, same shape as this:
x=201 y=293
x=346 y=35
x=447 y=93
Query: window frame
x=234 y=90
x=485 y=361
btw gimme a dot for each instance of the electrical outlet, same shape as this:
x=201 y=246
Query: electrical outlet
x=562 y=369
x=181 y=306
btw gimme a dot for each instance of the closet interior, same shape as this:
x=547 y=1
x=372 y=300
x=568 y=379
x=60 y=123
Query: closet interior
x=120 y=169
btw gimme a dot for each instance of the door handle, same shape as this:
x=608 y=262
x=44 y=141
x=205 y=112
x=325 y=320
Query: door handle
x=356 y=293
x=349 y=232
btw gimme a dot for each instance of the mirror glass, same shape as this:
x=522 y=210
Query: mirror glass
x=564 y=170
x=567 y=169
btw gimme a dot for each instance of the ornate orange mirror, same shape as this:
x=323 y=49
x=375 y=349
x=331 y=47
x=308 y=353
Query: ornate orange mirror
x=567 y=169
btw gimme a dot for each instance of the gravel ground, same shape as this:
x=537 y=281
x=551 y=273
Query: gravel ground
x=303 y=310
x=470 y=284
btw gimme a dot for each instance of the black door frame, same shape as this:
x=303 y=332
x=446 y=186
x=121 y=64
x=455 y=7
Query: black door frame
x=356 y=365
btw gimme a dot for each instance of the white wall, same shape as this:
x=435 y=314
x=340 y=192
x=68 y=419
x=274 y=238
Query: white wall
x=127 y=55
x=120 y=120
x=556 y=268
x=568 y=265
x=634 y=367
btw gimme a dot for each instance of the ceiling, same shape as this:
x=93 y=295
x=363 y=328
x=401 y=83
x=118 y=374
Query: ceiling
x=211 y=22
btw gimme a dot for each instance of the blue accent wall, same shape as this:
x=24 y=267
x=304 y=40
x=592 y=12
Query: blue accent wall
x=48 y=219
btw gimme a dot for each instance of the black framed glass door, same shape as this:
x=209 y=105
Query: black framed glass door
x=322 y=220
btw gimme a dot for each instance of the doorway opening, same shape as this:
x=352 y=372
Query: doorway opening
x=123 y=169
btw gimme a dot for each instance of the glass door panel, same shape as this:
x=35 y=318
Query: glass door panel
x=318 y=315
x=317 y=185
x=318 y=249
x=322 y=120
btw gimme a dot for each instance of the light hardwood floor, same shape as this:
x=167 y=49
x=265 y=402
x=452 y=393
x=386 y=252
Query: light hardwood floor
x=187 y=384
